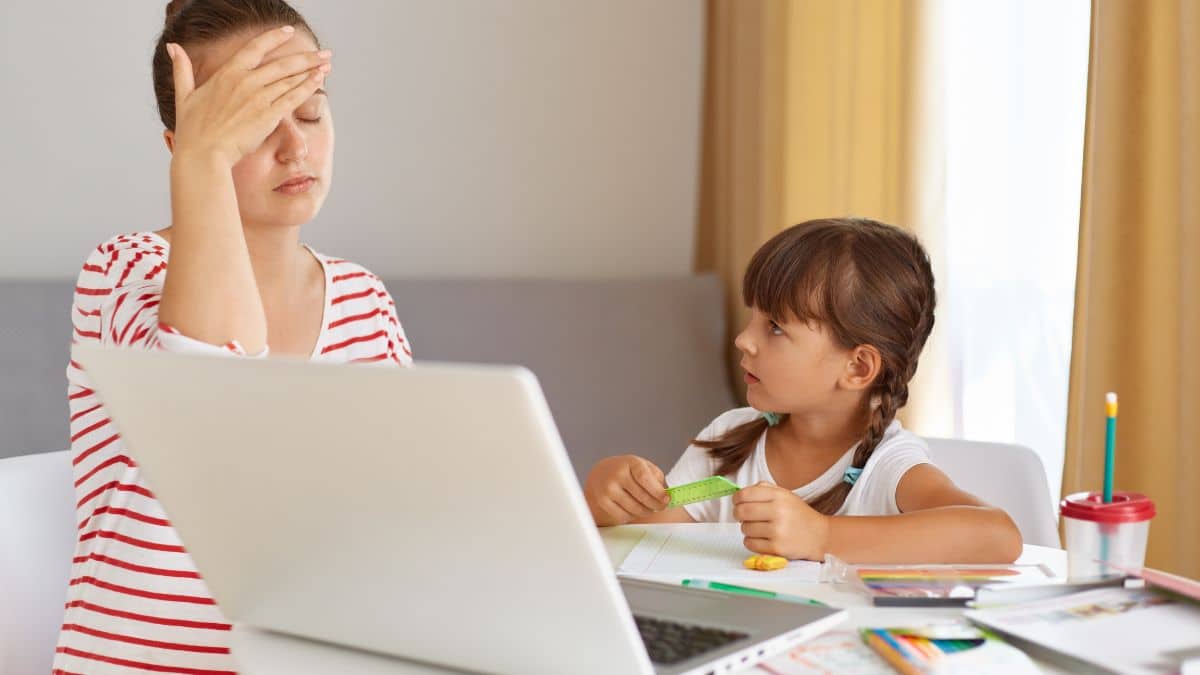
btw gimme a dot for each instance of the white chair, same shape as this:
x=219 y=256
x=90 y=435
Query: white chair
x=37 y=540
x=1010 y=477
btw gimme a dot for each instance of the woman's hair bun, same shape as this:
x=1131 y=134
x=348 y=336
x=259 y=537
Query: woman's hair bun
x=174 y=7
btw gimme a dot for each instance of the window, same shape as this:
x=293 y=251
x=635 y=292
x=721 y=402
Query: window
x=1016 y=89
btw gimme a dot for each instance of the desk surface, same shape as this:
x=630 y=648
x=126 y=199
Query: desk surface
x=264 y=653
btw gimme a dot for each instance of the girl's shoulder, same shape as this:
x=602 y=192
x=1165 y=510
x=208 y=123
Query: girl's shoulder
x=897 y=439
x=898 y=452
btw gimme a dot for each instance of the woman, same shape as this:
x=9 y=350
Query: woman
x=239 y=89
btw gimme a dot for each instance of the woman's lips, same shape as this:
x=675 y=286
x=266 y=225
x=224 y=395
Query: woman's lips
x=297 y=186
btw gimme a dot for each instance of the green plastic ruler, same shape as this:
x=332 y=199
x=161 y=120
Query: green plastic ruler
x=712 y=487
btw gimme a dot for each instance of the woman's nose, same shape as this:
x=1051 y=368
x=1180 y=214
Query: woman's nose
x=292 y=146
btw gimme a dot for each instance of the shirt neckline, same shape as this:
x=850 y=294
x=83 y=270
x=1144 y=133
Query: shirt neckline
x=812 y=488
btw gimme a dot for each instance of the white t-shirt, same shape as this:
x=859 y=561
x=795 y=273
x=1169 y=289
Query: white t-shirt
x=874 y=494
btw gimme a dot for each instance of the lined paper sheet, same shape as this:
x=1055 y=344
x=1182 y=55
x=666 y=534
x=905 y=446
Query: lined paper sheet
x=712 y=551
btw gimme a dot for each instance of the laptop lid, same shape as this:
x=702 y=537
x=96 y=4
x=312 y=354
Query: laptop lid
x=411 y=512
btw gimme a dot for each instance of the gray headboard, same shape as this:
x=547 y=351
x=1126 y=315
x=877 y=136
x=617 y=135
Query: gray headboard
x=628 y=365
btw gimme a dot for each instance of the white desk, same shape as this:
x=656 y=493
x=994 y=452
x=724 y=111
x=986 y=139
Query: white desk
x=264 y=653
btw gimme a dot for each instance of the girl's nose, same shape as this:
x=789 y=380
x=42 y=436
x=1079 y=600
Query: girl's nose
x=292 y=146
x=744 y=343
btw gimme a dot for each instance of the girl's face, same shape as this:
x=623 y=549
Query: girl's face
x=300 y=146
x=791 y=366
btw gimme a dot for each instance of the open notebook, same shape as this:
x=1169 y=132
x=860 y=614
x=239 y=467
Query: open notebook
x=711 y=551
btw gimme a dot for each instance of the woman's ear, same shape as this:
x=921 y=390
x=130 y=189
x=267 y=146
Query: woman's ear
x=169 y=137
x=863 y=368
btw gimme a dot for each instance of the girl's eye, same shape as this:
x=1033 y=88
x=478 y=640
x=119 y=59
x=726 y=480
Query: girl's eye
x=775 y=329
x=312 y=120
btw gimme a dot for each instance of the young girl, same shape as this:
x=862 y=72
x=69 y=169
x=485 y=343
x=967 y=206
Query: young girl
x=841 y=310
x=239 y=89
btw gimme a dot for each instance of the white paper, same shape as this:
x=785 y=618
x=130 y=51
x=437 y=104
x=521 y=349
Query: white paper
x=829 y=654
x=711 y=551
x=1126 y=630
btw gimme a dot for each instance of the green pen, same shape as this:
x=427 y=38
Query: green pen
x=755 y=592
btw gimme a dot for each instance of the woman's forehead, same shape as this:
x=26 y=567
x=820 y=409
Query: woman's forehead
x=210 y=56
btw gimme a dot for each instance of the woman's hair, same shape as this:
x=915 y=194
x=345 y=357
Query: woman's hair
x=196 y=22
x=866 y=282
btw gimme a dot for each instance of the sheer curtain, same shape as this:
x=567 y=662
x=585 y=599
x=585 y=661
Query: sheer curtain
x=961 y=120
x=1015 y=96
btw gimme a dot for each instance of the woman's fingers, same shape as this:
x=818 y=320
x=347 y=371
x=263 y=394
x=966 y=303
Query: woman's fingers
x=292 y=98
x=286 y=67
x=251 y=55
x=274 y=91
x=181 y=72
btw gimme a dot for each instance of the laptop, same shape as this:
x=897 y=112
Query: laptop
x=428 y=513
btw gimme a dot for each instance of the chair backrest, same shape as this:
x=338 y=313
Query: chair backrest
x=1010 y=477
x=37 y=537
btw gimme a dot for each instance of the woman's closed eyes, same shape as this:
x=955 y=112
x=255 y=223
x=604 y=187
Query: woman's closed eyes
x=310 y=111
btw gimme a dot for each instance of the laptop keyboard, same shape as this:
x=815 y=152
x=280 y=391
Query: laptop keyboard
x=670 y=642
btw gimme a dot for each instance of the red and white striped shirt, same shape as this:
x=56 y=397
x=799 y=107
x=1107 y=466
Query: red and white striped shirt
x=136 y=602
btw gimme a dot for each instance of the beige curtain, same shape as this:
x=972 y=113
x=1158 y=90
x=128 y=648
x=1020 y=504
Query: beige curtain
x=1137 y=305
x=812 y=109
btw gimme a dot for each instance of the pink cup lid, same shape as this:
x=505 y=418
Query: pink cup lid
x=1126 y=507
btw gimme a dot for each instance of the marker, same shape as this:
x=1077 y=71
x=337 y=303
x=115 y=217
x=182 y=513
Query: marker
x=754 y=592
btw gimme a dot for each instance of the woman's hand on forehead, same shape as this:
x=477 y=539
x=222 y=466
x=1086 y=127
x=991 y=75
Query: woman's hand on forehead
x=233 y=112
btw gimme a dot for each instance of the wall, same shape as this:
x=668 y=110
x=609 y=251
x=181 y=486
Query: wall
x=534 y=138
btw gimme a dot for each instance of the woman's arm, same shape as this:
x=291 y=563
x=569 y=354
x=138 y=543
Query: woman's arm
x=211 y=294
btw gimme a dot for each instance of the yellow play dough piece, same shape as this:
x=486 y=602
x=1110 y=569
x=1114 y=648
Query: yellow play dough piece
x=765 y=563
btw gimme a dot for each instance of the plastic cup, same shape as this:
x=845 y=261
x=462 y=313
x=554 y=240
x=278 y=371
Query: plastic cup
x=1102 y=536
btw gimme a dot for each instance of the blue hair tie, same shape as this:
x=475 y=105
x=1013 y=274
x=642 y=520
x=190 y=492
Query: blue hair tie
x=852 y=474
x=771 y=418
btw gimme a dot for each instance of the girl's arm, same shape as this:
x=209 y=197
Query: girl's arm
x=940 y=524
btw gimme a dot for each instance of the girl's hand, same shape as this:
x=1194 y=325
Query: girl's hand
x=235 y=110
x=622 y=489
x=777 y=522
